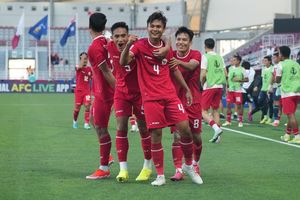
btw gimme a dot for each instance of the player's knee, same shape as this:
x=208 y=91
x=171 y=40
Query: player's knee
x=176 y=137
x=197 y=139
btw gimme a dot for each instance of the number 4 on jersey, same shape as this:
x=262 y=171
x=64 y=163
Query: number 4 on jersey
x=156 y=68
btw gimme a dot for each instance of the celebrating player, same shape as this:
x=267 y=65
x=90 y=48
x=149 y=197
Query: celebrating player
x=82 y=90
x=161 y=103
x=188 y=62
x=127 y=98
x=103 y=84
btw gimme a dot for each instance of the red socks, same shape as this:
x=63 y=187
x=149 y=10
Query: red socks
x=75 y=114
x=122 y=145
x=146 y=145
x=177 y=155
x=187 y=149
x=158 y=157
x=105 y=146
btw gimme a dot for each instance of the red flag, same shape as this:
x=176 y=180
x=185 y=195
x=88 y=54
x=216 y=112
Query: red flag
x=19 y=32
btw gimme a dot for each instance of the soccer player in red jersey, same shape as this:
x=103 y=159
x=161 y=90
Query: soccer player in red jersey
x=188 y=62
x=161 y=104
x=127 y=99
x=102 y=86
x=82 y=91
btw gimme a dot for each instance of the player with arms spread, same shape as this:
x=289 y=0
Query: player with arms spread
x=161 y=103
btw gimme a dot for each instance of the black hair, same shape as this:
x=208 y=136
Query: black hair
x=209 y=43
x=119 y=25
x=158 y=15
x=82 y=53
x=269 y=58
x=285 y=51
x=184 y=29
x=238 y=57
x=97 y=22
x=246 y=65
x=276 y=51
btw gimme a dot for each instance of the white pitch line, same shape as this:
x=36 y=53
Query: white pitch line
x=261 y=137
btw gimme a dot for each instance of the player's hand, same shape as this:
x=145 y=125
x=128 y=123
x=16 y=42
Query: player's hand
x=174 y=62
x=161 y=53
x=132 y=39
x=255 y=89
x=189 y=98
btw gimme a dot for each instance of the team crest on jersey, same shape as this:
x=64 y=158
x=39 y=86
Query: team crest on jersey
x=164 y=61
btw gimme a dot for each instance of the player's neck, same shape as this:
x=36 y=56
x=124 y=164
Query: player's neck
x=207 y=50
x=183 y=53
x=95 y=34
x=155 y=42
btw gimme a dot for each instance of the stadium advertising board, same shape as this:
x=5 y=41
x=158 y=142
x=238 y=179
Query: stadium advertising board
x=39 y=86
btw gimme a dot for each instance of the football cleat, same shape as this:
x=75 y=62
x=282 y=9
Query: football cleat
x=122 y=176
x=191 y=172
x=240 y=125
x=295 y=141
x=178 y=176
x=98 y=174
x=216 y=136
x=144 y=175
x=75 y=124
x=159 y=181
x=227 y=123
x=86 y=126
x=285 y=138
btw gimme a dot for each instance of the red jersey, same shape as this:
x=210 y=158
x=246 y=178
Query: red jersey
x=126 y=76
x=153 y=74
x=97 y=54
x=192 y=78
x=83 y=77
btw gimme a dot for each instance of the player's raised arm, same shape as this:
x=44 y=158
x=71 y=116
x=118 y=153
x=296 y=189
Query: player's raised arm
x=107 y=74
x=126 y=57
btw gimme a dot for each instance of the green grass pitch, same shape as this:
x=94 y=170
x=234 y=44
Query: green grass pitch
x=43 y=158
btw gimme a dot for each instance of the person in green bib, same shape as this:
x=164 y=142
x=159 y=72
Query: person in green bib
x=236 y=77
x=288 y=74
x=265 y=99
x=213 y=77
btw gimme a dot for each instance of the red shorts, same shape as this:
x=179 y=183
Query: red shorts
x=234 y=97
x=163 y=113
x=125 y=105
x=101 y=112
x=289 y=104
x=82 y=97
x=211 y=98
x=195 y=119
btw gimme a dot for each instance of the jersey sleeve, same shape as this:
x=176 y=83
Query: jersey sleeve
x=196 y=56
x=134 y=49
x=279 y=70
x=204 y=62
x=99 y=55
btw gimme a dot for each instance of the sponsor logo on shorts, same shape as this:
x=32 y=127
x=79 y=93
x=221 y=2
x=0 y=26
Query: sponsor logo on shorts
x=119 y=111
x=155 y=123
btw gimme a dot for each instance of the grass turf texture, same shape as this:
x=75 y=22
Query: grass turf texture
x=43 y=157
